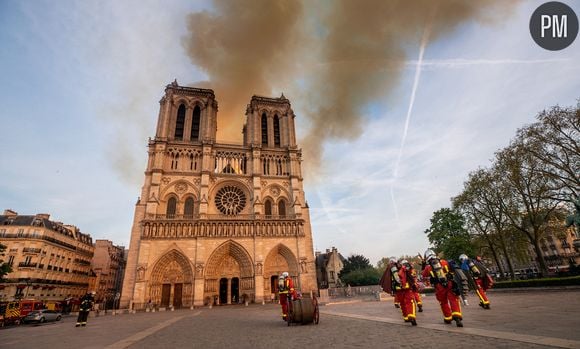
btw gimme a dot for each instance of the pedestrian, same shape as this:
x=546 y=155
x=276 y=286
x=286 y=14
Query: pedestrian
x=440 y=275
x=87 y=302
x=482 y=280
x=286 y=292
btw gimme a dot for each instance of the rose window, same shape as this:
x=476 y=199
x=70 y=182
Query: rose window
x=230 y=200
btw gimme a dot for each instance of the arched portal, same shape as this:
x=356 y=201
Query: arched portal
x=229 y=274
x=279 y=260
x=172 y=281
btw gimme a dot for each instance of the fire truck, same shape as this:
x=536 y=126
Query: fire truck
x=12 y=312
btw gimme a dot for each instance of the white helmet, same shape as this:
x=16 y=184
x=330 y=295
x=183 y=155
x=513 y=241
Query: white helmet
x=463 y=257
x=429 y=255
x=404 y=262
x=285 y=274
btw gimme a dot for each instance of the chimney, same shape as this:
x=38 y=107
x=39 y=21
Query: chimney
x=327 y=250
x=10 y=213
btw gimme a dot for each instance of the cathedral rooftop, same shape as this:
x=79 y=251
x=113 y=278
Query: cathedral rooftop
x=190 y=90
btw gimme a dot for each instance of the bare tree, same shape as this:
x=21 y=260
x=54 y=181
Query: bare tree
x=527 y=193
x=555 y=141
x=480 y=202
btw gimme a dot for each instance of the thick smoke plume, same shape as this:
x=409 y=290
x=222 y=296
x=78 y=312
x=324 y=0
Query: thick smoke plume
x=245 y=47
x=359 y=49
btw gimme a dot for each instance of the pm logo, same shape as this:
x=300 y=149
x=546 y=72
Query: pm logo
x=554 y=26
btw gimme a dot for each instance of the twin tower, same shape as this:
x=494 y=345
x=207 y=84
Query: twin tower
x=218 y=223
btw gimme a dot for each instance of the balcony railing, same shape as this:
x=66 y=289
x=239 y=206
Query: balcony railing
x=31 y=250
x=27 y=265
x=177 y=217
x=162 y=229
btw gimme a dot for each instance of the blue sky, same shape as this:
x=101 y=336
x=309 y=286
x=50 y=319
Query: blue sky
x=79 y=97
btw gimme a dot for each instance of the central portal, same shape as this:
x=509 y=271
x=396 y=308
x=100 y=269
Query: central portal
x=229 y=275
x=223 y=291
x=235 y=290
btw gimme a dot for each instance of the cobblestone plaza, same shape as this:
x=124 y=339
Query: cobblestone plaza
x=537 y=319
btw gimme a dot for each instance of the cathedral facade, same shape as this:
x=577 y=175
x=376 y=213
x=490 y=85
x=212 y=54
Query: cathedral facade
x=217 y=223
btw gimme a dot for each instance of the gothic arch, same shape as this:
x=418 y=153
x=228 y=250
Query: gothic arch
x=268 y=206
x=197 y=102
x=181 y=100
x=231 y=249
x=279 y=258
x=172 y=268
x=173 y=189
x=275 y=191
x=228 y=262
x=180 y=121
x=282 y=207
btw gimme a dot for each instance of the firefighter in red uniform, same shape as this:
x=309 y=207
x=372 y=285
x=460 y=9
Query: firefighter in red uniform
x=285 y=290
x=394 y=281
x=480 y=277
x=440 y=276
x=415 y=288
x=405 y=293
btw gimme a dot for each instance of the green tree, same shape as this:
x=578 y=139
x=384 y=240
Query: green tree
x=362 y=277
x=358 y=271
x=383 y=263
x=354 y=262
x=448 y=235
x=5 y=268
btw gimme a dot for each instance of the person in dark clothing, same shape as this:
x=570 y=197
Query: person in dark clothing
x=86 y=305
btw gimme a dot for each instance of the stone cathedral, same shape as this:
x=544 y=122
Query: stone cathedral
x=218 y=222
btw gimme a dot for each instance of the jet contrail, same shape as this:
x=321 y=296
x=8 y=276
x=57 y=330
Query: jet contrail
x=424 y=41
x=460 y=62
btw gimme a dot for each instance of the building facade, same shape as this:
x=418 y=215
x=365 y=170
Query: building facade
x=328 y=265
x=109 y=266
x=216 y=222
x=50 y=260
x=557 y=248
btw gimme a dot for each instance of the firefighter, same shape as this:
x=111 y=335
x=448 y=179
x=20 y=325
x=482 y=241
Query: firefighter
x=406 y=292
x=415 y=288
x=480 y=276
x=389 y=281
x=85 y=307
x=440 y=276
x=285 y=290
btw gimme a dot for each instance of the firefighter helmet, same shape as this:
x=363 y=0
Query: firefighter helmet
x=285 y=274
x=429 y=255
x=463 y=257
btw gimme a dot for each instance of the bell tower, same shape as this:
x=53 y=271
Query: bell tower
x=270 y=123
x=187 y=114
